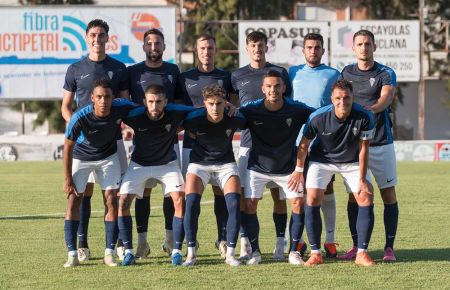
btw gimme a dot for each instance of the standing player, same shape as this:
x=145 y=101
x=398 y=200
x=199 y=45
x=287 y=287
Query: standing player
x=149 y=72
x=247 y=83
x=78 y=85
x=191 y=85
x=90 y=145
x=311 y=84
x=155 y=127
x=341 y=134
x=374 y=85
x=212 y=157
x=274 y=124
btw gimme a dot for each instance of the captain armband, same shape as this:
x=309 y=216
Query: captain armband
x=368 y=135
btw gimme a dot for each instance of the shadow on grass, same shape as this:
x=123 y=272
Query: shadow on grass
x=415 y=255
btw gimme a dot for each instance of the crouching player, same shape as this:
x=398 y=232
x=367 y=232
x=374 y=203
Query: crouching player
x=212 y=157
x=91 y=146
x=274 y=124
x=153 y=158
x=342 y=132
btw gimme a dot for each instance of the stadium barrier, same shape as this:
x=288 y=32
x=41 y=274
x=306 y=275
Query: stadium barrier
x=41 y=148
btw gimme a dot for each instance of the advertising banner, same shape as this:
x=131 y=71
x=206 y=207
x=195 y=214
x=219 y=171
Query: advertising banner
x=38 y=44
x=285 y=41
x=398 y=45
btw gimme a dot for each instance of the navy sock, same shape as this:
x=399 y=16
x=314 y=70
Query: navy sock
x=233 y=203
x=313 y=222
x=364 y=225
x=178 y=232
x=220 y=210
x=280 y=221
x=85 y=215
x=290 y=226
x=390 y=223
x=296 y=229
x=352 y=213
x=70 y=234
x=142 y=213
x=242 y=228
x=169 y=211
x=126 y=231
x=111 y=234
x=253 y=231
x=191 y=218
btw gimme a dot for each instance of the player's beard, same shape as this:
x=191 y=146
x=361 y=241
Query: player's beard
x=313 y=61
x=154 y=56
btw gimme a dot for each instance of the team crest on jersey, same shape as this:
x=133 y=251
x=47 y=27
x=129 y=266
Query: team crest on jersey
x=220 y=82
x=110 y=74
x=324 y=81
x=168 y=127
x=170 y=77
x=118 y=121
x=371 y=81
x=355 y=131
x=289 y=122
x=228 y=132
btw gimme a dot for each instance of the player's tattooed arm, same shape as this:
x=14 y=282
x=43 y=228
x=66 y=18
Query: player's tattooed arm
x=68 y=187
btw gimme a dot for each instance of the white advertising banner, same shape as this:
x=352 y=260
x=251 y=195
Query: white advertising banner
x=38 y=44
x=398 y=45
x=285 y=41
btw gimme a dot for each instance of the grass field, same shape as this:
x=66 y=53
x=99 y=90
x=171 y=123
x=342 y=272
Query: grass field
x=32 y=246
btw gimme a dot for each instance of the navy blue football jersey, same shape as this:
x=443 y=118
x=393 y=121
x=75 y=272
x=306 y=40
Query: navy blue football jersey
x=95 y=137
x=80 y=77
x=141 y=76
x=247 y=83
x=337 y=141
x=366 y=91
x=153 y=140
x=213 y=141
x=273 y=135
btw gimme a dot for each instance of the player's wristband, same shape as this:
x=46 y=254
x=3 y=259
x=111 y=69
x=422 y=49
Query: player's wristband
x=299 y=169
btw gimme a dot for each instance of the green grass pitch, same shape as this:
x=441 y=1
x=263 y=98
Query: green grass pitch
x=32 y=249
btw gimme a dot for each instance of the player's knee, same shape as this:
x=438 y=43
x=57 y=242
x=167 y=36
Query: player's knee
x=279 y=206
x=296 y=205
x=89 y=189
x=365 y=199
x=388 y=195
x=251 y=205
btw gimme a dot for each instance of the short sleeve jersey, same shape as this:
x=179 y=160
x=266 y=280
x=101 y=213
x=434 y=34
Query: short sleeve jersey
x=247 y=83
x=367 y=87
x=141 y=76
x=312 y=85
x=95 y=137
x=153 y=140
x=213 y=141
x=80 y=78
x=193 y=81
x=273 y=135
x=337 y=141
x=191 y=85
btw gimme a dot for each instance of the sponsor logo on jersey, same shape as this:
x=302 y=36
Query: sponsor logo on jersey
x=289 y=122
x=258 y=123
x=84 y=76
x=191 y=85
x=244 y=83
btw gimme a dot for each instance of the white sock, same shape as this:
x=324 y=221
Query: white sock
x=329 y=216
x=73 y=253
x=231 y=251
x=169 y=236
x=316 y=252
x=174 y=251
x=142 y=238
x=129 y=251
x=109 y=251
x=191 y=252
x=362 y=250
